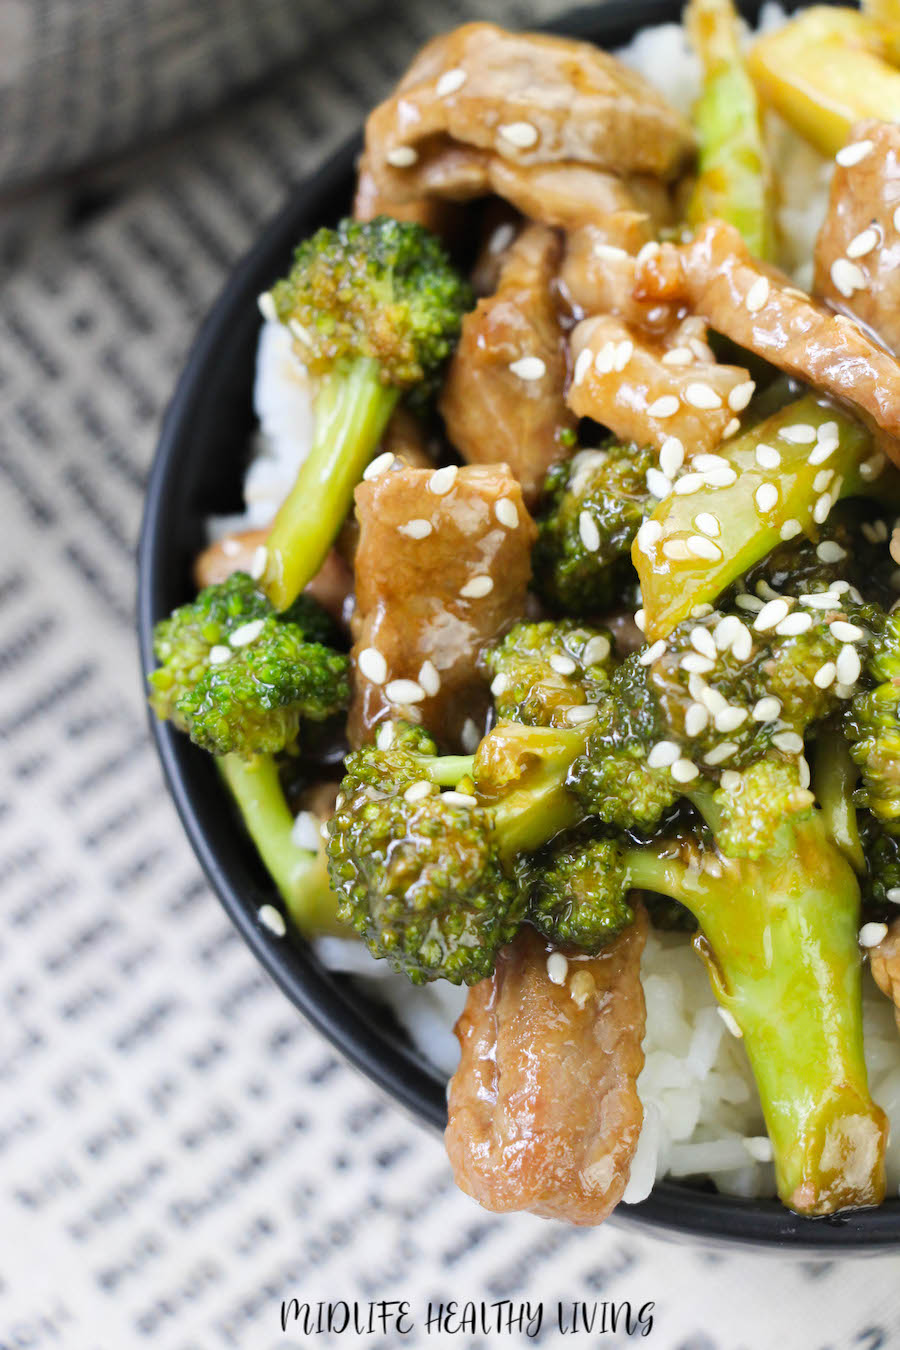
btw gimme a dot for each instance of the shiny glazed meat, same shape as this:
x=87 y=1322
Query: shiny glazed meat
x=332 y=586
x=543 y=1110
x=858 y=249
x=598 y=271
x=494 y=411
x=442 y=568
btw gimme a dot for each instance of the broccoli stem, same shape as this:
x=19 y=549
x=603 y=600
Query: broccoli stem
x=779 y=937
x=300 y=875
x=835 y=777
x=352 y=410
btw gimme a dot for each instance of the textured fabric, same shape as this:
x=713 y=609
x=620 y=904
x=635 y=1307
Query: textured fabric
x=179 y=1151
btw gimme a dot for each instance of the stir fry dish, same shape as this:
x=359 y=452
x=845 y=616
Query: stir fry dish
x=557 y=656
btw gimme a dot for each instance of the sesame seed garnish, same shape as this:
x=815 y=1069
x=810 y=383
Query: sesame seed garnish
x=609 y=252
x=417 y=792
x=416 y=529
x=822 y=509
x=384 y=737
x=848 y=665
x=649 y=534
x=730 y=1021
x=772 y=612
x=450 y=81
x=684 y=770
x=847 y=277
x=863 y=243
x=695 y=719
x=652 y=653
x=730 y=780
x=872 y=467
x=701 y=547
x=663 y=754
x=757 y=295
x=706 y=462
x=563 y=665
x=742 y=647
x=702 y=641
x=844 y=690
x=790 y=529
x=247 y=633
x=823 y=600
x=695 y=664
x=624 y=353
x=588 y=532
x=731 y=428
x=372 y=665
x=830 y=551
x=825 y=675
x=893 y=894
x=794 y=625
x=603 y=361
x=852 y=154
x=759 y=1146
x=720 y=752
x=744 y=600
x=273 y=919
x=798 y=433
x=788 y=741
x=729 y=719
x=691 y=482
x=647 y=251
x=767 y=457
x=741 y=395
x=507 y=513
x=266 y=305
x=671 y=456
x=702 y=396
x=582 y=364
x=469 y=736
x=477 y=588
x=822 y=450
x=499 y=684
x=676 y=550
x=847 y=632
x=765 y=590
x=665 y=406
x=259 y=561
x=528 y=368
x=822 y=479
x=459 y=799
x=581 y=713
x=678 y=356
x=502 y=237
x=708 y=524
x=767 y=709
x=429 y=678
x=725 y=631
x=720 y=477
x=875 y=531
x=442 y=480
x=520 y=134
x=596 y=649
x=640 y=620
x=305 y=831
x=404 y=691
x=658 y=484
x=712 y=700
x=557 y=968
x=701 y=611
x=380 y=464
x=766 y=497
x=219 y=654
x=872 y=933
x=402 y=157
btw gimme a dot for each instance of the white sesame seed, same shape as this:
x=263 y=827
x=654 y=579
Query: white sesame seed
x=767 y=709
x=581 y=713
x=730 y=780
x=848 y=665
x=788 y=741
x=794 y=625
x=742 y=646
x=624 y=353
x=771 y=613
x=702 y=641
x=863 y=243
x=583 y=362
x=442 y=480
x=847 y=632
x=640 y=620
x=822 y=600
x=379 y=465
x=649 y=534
x=609 y=252
x=852 y=154
x=647 y=251
x=730 y=1021
x=477 y=588
x=893 y=894
x=563 y=665
x=847 y=277
x=247 y=633
x=741 y=395
x=652 y=653
x=372 y=665
x=731 y=428
x=822 y=479
x=676 y=550
x=658 y=485
x=757 y=295
x=506 y=512
x=384 y=737
x=665 y=406
x=266 y=306
x=273 y=919
x=825 y=675
x=697 y=686
x=701 y=547
x=872 y=933
x=872 y=467
x=708 y=524
x=416 y=529
x=766 y=497
x=830 y=551
x=725 y=631
x=219 y=654
x=588 y=532
x=663 y=754
x=520 y=134
x=707 y=462
x=417 y=792
x=765 y=590
x=671 y=456
x=767 y=457
x=499 y=684
x=557 y=968
x=822 y=509
x=759 y=1146
x=259 y=561
x=701 y=350
x=684 y=770
x=603 y=361
x=305 y=831
x=596 y=650
x=502 y=237
x=404 y=691
x=844 y=690
x=402 y=157
x=724 y=750
x=529 y=368
x=790 y=529
x=823 y=450
x=459 y=799
x=695 y=719
x=713 y=701
x=469 y=736
x=744 y=600
x=703 y=396
x=690 y=483
x=717 y=478
x=429 y=678
x=695 y=664
x=678 y=356
x=798 y=433
x=729 y=719
x=450 y=81
x=701 y=611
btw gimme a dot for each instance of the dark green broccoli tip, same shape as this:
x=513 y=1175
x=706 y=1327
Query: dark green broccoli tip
x=880 y=881
x=541 y=670
x=579 y=894
x=873 y=724
x=381 y=289
x=593 y=508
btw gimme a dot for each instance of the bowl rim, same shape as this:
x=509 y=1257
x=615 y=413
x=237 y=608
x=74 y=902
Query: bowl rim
x=328 y=1001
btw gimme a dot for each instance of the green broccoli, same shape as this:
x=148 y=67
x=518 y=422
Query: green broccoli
x=873 y=724
x=541 y=671
x=375 y=308
x=577 y=893
x=240 y=680
x=881 y=878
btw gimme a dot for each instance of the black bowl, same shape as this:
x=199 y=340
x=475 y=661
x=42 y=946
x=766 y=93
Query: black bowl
x=196 y=472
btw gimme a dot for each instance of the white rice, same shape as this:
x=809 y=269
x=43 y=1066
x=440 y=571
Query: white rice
x=701 y=1110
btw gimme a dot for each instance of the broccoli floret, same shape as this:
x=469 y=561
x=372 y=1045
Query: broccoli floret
x=593 y=508
x=881 y=876
x=240 y=680
x=873 y=724
x=577 y=893
x=375 y=308
x=543 y=670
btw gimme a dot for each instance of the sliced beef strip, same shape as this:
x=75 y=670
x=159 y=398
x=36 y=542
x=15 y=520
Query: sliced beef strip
x=502 y=399
x=544 y=1113
x=755 y=306
x=442 y=216
x=884 y=962
x=642 y=394
x=442 y=568
x=858 y=249
x=525 y=99
x=598 y=273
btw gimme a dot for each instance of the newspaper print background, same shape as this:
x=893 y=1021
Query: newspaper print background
x=178 y=1150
